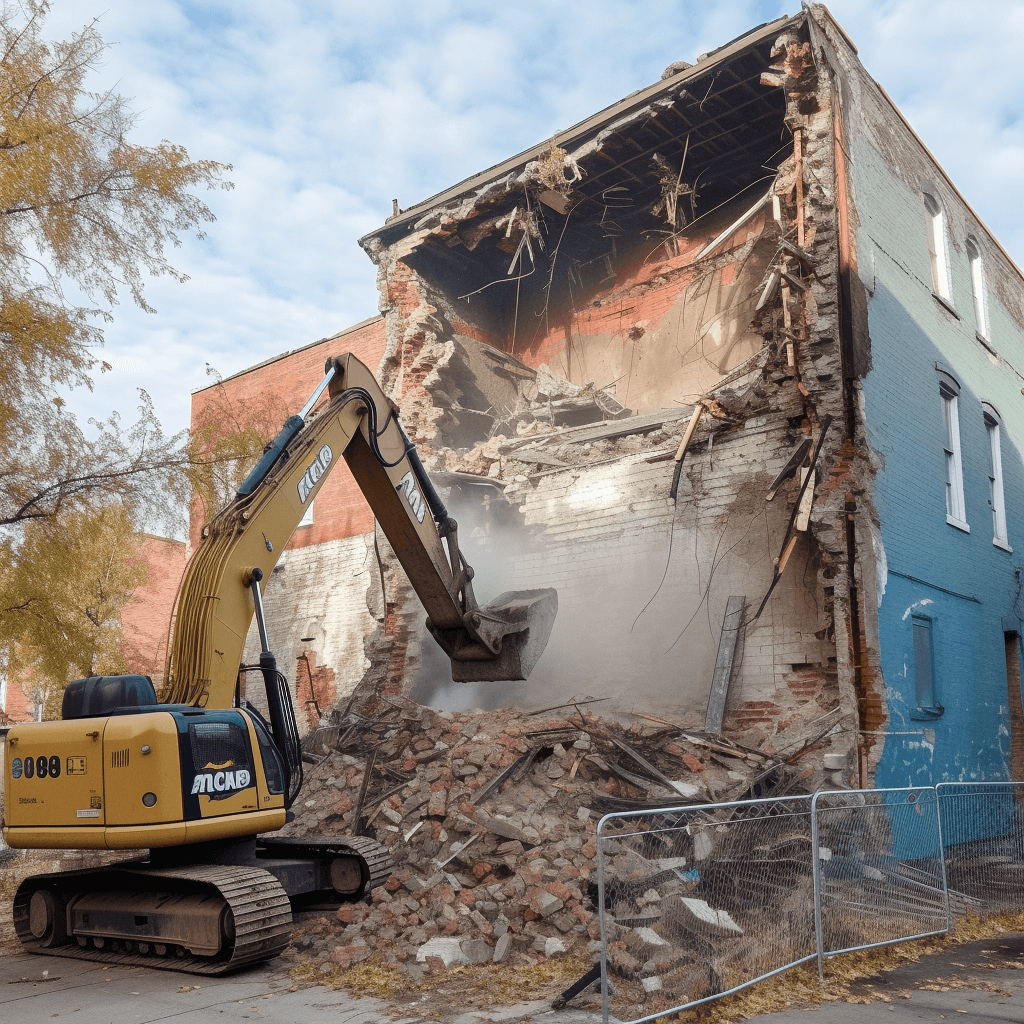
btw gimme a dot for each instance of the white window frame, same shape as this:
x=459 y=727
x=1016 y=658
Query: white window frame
x=978 y=287
x=938 y=251
x=996 y=498
x=956 y=509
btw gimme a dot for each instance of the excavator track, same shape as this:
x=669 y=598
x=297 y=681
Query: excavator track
x=252 y=908
x=375 y=860
x=241 y=914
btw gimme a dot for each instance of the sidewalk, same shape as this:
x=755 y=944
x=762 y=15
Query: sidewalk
x=978 y=982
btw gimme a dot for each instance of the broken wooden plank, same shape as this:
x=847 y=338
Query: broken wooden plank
x=733 y=227
x=642 y=424
x=724 y=664
x=794 y=250
x=703 y=741
x=592 y=975
x=567 y=704
x=803 y=517
x=769 y=289
x=538 y=456
x=789 y=541
x=503 y=776
x=799 y=285
x=367 y=772
x=790 y=468
x=698 y=410
x=555 y=201
x=643 y=762
x=457 y=849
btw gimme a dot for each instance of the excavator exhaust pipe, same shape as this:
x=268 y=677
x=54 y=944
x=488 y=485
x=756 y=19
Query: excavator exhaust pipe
x=502 y=640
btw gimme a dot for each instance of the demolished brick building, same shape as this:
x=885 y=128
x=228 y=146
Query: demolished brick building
x=702 y=363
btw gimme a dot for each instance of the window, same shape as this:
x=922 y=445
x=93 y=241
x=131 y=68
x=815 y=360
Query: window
x=956 y=514
x=995 y=478
x=978 y=287
x=937 y=253
x=307 y=516
x=925 y=697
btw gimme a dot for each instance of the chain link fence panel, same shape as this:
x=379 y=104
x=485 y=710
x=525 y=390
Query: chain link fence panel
x=879 y=874
x=699 y=902
x=983 y=845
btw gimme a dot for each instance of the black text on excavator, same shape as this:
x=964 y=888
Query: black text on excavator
x=199 y=777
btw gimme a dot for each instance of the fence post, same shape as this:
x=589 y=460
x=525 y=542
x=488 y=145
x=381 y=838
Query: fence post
x=819 y=940
x=601 y=921
x=942 y=857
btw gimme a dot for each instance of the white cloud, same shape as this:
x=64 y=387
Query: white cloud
x=330 y=110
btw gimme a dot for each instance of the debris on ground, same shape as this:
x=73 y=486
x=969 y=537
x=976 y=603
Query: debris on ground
x=491 y=820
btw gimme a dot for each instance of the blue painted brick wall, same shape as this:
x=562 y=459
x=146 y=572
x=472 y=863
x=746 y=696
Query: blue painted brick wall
x=965 y=583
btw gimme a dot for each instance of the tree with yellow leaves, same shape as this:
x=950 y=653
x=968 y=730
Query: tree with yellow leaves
x=79 y=202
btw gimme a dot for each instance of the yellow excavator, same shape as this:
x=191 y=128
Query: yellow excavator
x=198 y=777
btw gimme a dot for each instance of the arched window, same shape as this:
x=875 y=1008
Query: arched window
x=949 y=393
x=978 y=287
x=993 y=426
x=938 y=253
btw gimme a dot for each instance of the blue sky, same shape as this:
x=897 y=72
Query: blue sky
x=328 y=111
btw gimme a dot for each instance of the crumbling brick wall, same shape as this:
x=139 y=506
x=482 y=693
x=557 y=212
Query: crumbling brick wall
x=643 y=580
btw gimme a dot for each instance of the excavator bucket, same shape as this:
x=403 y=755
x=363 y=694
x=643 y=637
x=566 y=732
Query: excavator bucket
x=523 y=620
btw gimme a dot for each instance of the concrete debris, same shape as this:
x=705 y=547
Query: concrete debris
x=557 y=424
x=448 y=950
x=717 y=922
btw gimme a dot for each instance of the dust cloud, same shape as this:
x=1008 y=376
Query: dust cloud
x=639 y=616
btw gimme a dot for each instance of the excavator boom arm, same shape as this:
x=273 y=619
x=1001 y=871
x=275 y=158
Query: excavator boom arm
x=215 y=604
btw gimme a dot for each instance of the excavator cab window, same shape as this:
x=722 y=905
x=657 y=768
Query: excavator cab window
x=273 y=765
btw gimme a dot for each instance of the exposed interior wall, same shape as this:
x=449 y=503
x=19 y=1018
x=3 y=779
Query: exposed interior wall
x=318 y=610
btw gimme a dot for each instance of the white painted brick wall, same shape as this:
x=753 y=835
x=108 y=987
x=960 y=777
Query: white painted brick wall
x=319 y=591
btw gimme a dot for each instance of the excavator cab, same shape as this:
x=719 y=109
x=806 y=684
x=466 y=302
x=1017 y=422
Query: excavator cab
x=99 y=696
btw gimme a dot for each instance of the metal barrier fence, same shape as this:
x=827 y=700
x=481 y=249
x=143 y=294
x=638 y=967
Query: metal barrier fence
x=878 y=875
x=983 y=845
x=699 y=902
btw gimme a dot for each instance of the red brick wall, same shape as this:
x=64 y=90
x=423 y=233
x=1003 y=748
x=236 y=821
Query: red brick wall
x=16 y=706
x=281 y=387
x=646 y=294
x=145 y=618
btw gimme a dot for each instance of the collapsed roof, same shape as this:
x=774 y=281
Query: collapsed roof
x=557 y=219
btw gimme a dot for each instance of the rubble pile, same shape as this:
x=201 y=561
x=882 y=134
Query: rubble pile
x=556 y=423
x=491 y=821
